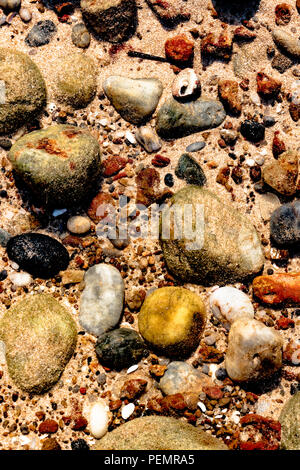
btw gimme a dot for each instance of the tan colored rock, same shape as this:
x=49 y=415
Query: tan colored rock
x=282 y=174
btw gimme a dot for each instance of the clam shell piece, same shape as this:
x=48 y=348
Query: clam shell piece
x=186 y=84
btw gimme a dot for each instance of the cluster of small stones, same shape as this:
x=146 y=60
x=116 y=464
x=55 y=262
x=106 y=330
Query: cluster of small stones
x=109 y=310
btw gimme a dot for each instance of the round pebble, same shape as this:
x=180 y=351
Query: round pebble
x=98 y=419
x=228 y=304
x=80 y=36
x=25 y=14
x=78 y=224
x=195 y=146
x=20 y=279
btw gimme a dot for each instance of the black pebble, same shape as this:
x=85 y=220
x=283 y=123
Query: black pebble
x=79 y=444
x=252 y=130
x=221 y=373
x=41 y=33
x=169 y=180
x=38 y=254
x=3 y=275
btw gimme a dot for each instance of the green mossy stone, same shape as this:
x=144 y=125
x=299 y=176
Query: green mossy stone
x=75 y=82
x=40 y=338
x=60 y=164
x=224 y=246
x=158 y=433
x=172 y=320
x=22 y=90
x=290 y=424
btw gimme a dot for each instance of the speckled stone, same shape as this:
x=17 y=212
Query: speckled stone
x=181 y=377
x=102 y=299
x=40 y=338
x=60 y=164
x=290 y=424
x=224 y=249
x=22 y=90
x=38 y=254
x=80 y=36
x=175 y=119
x=158 y=433
x=41 y=33
x=189 y=169
x=120 y=348
x=4 y=237
x=285 y=224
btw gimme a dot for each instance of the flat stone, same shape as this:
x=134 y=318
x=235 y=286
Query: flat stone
x=177 y=119
x=223 y=249
x=195 y=146
x=268 y=202
x=285 y=224
x=120 y=348
x=102 y=299
x=158 y=433
x=60 y=164
x=189 y=169
x=38 y=254
x=135 y=99
x=181 y=377
x=287 y=41
x=23 y=90
x=40 y=338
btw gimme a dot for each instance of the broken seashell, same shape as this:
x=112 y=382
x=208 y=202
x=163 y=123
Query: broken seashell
x=186 y=84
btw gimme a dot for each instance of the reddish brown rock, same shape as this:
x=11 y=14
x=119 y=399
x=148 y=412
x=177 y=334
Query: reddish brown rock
x=49 y=426
x=278 y=146
x=180 y=50
x=243 y=34
x=80 y=423
x=229 y=95
x=160 y=161
x=284 y=323
x=112 y=165
x=214 y=392
x=298 y=5
x=278 y=288
x=133 y=388
x=147 y=181
x=97 y=210
x=210 y=354
x=267 y=86
x=50 y=444
x=283 y=13
x=291 y=353
x=217 y=46
x=294 y=109
x=173 y=402
x=267 y=427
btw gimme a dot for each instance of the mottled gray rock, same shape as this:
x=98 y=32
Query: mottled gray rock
x=181 y=377
x=4 y=237
x=41 y=33
x=223 y=245
x=40 y=338
x=285 y=224
x=135 y=99
x=176 y=119
x=287 y=41
x=102 y=299
x=189 y=169
x=80 y=36
x=290 y=424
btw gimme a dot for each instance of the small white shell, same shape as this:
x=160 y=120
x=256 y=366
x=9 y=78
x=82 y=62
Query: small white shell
x=186 y=84
x=132 y=369
x=127 y=410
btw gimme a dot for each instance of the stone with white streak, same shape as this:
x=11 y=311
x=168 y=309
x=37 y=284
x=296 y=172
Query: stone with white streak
x=102 y=299
x=229 y=304
x=254 y=351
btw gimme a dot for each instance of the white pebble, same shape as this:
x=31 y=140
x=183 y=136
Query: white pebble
x=127 y=410
x=228 y=304
x=132 y=369
x=250 y=162
x=14 y=265
x=98 y=419
x=78 y=224
x=201 y=406
x=130 y=137
x=20 y=279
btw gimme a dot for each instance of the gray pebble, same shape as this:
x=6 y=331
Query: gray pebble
x=41 y=33
x=80 y=36
x=4 y=237
x=195 y=146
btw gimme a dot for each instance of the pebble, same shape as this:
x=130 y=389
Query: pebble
x=102 y=299
x=10 y=4
x=80 y=36
x=113 y=20
x=172 y=320
x=254 y=351
x=217 y=45
x=189 y=169
x=229 y=304
x=267 y=86
x=75 y=80
x=135 y=99
x=146 y=136
x=186 y=85
x=169 y=180
x=226 y=249
x=4 y=237
x=268 y=121
x=195 y=146
x=127 y=410
x=40 y=338
x=73 y=156
x=287 y=41
x=285 y=224
x=159 y=432
x=229 y=95
x=175 y=120
x=181 y=377
x=38 y=254
x=23 y=90
x=20 y=279
x=180 y=50
x=25 y=15
x=278 y=288
x=252 y=130
x=41 y=33
x=282 y=174
x=268 y=202
x=78 y=224
x=120 y=348
x=98 y=419
x=290 y=422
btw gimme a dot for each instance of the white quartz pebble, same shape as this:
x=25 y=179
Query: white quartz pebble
x=127 y=410
x=228 y=304
x=98 y=419
x=78 y=224
x=20 y=279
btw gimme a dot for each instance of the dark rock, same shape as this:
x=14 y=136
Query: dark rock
x=120 y=348
x=41 y=33
x=269 y=121
x=4 y=237
x=80 y=444
x=285 y=224
x=169 y=180
x=252 y=130
x=38 y=254
x=281 y=63
x=188 y=169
